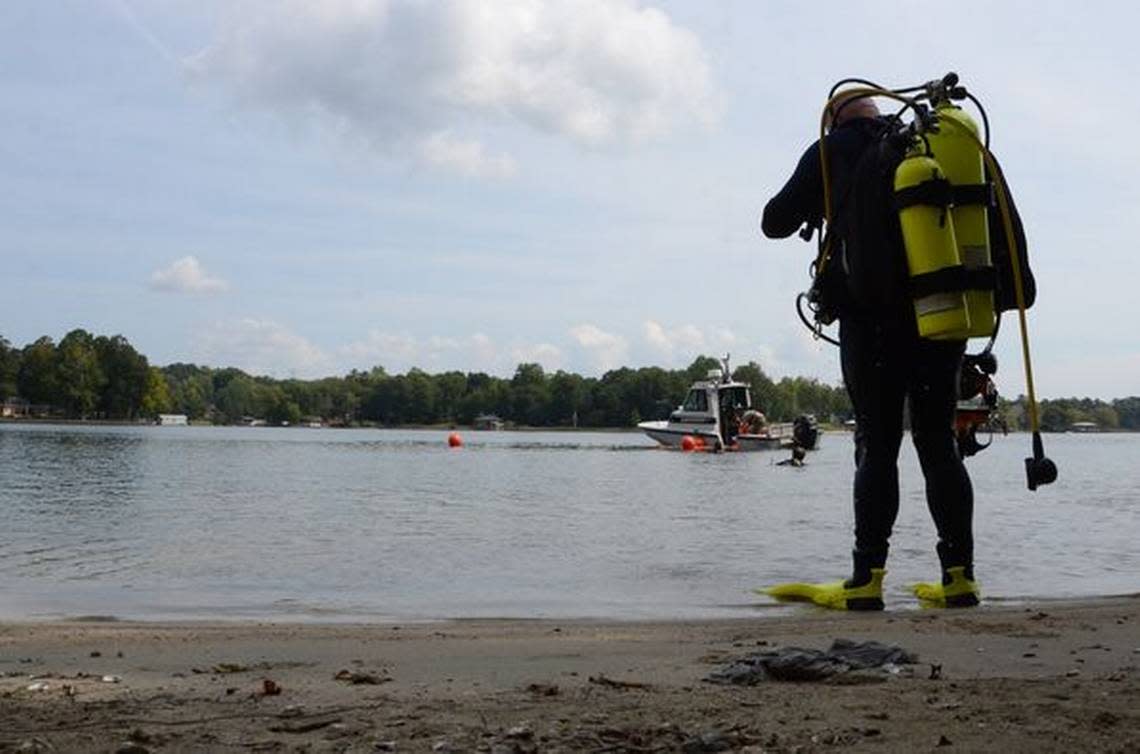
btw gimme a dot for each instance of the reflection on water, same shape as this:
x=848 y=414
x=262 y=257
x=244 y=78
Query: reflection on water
x=350 y=524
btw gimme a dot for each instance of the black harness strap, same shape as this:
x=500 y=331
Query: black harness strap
x=974 y=193
x=981 y=278
x=935 y=192
x=948 y=279
x=952 y=280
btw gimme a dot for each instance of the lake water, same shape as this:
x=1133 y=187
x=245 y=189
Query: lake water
x=330 y=525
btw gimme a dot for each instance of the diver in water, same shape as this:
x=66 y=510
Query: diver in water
x=884 y=363
x=797 y=459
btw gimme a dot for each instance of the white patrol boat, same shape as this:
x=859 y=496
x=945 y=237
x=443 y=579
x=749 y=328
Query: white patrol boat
x=718 y=414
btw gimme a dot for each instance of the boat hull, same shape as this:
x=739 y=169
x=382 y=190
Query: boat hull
x=670 y=434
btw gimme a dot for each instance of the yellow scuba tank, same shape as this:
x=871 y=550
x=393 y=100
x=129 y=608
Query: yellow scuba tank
x=961 y=161
x=922 y=195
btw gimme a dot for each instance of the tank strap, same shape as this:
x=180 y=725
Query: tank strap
x=975 y=193
x=953 y=279
x=981 y=278
x=935 y=192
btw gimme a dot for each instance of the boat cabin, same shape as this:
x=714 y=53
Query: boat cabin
x=714 y=406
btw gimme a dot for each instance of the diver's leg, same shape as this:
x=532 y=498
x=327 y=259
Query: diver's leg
x=876 y=386
x=950 y=496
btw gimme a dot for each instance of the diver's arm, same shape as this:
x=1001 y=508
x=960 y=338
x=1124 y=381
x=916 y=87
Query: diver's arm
x=799 y=201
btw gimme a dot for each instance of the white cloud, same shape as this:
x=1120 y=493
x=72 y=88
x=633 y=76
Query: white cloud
x=399 y=352
x=382 y=349
x=262 y=347
x=550 y=357
x=594 y=71
x=465 y=156
x=685 y=341
x=186 y=275
x=606 y=350
x=678 y=346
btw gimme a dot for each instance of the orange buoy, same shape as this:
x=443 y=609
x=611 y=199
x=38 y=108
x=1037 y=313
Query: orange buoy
x=454 y=440
x=688 y=442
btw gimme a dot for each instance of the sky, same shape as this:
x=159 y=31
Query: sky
x=301 y=189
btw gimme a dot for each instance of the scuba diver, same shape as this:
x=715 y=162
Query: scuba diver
x=923 y=250
x=797 y=458
x=885 y=362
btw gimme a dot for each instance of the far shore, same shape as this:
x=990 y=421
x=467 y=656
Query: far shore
x=835 y=428
x=1042 y=676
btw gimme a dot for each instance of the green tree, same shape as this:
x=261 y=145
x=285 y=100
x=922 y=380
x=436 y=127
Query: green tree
x=1105 y=417
x=763 y=389
x=9 y=369
x=81 y=378
x=1055 y=417
x=1128 y=411
x=567 y=395
x=278 y=408
x=700 y=368
x=530 y=395
x=156 y=397
x=422 y=397
x=38 y=378
x=450 y=387
x=237 y=399
x=126 y=377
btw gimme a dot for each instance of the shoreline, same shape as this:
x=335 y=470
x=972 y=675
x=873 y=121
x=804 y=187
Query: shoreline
x=1043 y=675
x=824 y=427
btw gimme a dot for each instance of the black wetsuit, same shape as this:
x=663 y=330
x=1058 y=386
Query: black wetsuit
x=884 y=363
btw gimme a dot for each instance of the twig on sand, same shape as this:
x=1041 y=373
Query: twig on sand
x=602 y=680
x=304 y=727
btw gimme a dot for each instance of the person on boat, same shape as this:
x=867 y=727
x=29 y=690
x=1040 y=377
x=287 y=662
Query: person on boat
x=752 y=422
x=884 y=363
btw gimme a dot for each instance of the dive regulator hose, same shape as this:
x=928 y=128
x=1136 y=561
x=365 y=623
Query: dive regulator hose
x=1039 y=469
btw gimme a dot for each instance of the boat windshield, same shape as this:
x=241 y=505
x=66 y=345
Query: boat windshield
x=739 y=398
x=696 y=400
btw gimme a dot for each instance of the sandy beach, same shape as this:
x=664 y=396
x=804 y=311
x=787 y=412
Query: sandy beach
x=1045 y=676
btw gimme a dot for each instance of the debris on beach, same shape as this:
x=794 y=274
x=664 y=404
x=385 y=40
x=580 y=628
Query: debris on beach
x=797 y=664
x=223 y=668
x=602 y=680
x=304 y=727
x=361 y=679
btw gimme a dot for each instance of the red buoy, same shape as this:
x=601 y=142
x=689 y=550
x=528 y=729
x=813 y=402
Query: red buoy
x=454 y=440
x=688 y=442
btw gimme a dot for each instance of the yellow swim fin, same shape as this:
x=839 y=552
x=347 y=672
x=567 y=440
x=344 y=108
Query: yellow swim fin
x=960 y=592
x=835 y=595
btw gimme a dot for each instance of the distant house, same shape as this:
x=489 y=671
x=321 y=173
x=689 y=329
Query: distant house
x=14 y=407
x=172 y=420
x=1084 y=427
x=487 y=421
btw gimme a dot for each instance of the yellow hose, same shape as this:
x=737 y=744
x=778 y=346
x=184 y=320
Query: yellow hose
x=1015 y=260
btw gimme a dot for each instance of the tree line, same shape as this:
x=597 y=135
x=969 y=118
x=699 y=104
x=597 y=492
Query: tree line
x=1060 y=414
x=85 y=376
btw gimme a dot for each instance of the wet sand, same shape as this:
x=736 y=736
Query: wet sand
x=1043 y=676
